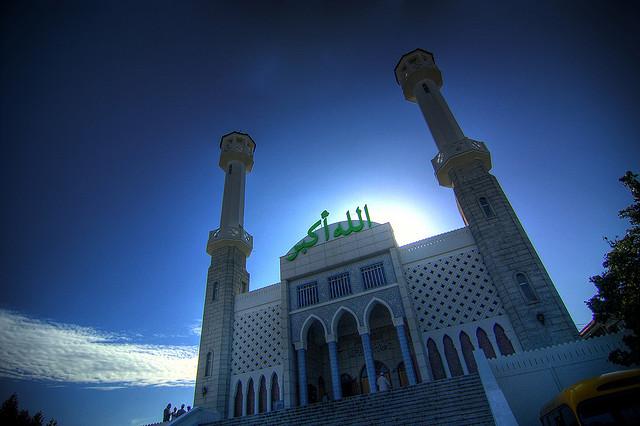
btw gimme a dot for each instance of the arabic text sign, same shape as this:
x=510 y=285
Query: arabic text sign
x=305 y=244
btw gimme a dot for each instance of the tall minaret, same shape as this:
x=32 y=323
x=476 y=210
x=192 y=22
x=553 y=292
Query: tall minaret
x=531 y=301
x=229 y=246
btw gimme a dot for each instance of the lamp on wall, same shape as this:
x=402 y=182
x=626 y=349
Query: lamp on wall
x=540 y=317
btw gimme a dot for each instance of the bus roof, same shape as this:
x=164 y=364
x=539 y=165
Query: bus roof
x=595 y=386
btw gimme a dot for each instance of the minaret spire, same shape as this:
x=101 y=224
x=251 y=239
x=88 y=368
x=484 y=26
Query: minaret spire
x=421 y=81
x=236 y=160
x=533 y=305
x=229 y=246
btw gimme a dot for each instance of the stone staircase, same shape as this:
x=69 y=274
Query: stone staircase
x=456 y=401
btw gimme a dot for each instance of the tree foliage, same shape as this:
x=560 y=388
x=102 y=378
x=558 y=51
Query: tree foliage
x=618 y=287
x=11 y=415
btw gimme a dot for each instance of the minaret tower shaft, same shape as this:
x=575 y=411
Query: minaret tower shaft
x=229 y=246
x=531 y=301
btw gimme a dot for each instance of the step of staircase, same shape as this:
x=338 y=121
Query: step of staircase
x=455 y=401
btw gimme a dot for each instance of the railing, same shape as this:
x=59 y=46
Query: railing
x=339 y=285
x=458 y=147
x=230 y=234
x=373 y=276
x=308 y=294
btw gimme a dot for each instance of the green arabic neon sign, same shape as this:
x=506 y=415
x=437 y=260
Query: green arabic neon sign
x=303 y=245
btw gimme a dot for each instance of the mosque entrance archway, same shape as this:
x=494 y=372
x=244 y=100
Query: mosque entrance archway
x=350 y=354
x=318 y=369
x=384 y=342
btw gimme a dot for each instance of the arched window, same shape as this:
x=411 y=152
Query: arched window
x=250 y=398
x=504 y=344
x=237 y=406
x=486 y=207
x=455 y=368
x=262 y=396
x=484 y=343
x=435 y=360
x=467 y=352
x=207 y=366
x=275 y=391
x=214 y=291
x=525 y=287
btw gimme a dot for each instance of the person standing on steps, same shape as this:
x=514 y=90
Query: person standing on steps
x=166 y=414
x=383 y=383
x=181 y=411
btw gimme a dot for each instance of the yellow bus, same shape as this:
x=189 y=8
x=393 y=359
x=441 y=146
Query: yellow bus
x=609 y=399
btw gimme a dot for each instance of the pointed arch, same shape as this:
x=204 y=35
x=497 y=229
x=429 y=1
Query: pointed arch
x=453 y=360
x=504 y=344
x=237 y=405
x=435 y=360
x=338 y=315
x=262 y=395
x=372 y=304
x=485 y=343
x=307 y=323
x=250 y=398
x=275 y=390
x=467 y=352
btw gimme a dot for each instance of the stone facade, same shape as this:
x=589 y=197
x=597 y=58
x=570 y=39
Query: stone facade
x=507 y=250
x=227 y=276
x=354 y=308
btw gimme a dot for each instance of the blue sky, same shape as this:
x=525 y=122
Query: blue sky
x=111 y=114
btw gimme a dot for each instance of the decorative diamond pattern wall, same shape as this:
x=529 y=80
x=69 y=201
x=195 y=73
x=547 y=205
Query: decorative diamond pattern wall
x=452 y=290
x=257 y=340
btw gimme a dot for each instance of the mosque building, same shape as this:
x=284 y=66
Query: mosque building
x=352 y=305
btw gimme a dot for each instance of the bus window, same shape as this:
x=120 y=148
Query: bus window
x=614 y=409
x=561 y=416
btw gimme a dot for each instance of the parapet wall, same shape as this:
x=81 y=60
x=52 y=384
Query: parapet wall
x=531 y=379
x=437 y=245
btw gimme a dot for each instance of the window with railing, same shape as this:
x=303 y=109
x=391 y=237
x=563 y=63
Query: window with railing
x=373 y=276
x=339 y=285
x=307 y=294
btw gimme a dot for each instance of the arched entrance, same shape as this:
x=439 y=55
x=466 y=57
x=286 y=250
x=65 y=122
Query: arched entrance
x=350 y=355
x=318 y=369
x=384 y=341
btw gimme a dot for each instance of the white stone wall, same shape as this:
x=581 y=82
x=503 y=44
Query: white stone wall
x=452 y=289
x=258 y=344
x=257 y=332
x=531 y=379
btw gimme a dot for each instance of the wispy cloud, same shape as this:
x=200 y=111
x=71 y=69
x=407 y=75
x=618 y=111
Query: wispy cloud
x=196 y=328
x=45 y=350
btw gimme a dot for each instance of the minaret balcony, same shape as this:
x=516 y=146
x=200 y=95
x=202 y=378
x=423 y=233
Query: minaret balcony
x=462 y=152
x=231 y=236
